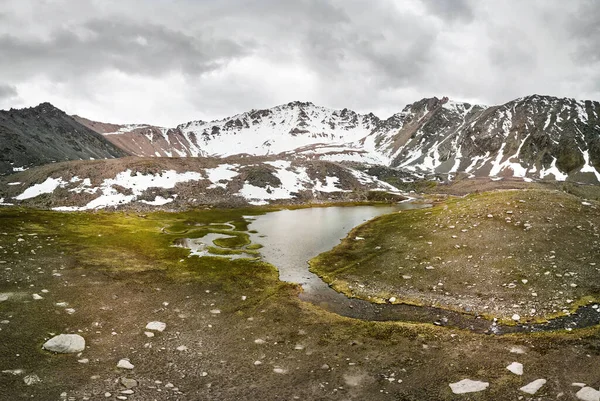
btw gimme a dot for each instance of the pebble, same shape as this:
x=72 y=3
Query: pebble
x=182 y=348
x=37 y=297
x=125 y=364
x=215 y=311
x=533 y=387
x=129 y=383
x=468 y=386
x=149 y=334
x=32 y=379
x=84 y=360
x=516 y=317
x=14 y=372
x=279 y=371
x=518 y=350
x=65 y=344
x=156 y=326
x=392 y=300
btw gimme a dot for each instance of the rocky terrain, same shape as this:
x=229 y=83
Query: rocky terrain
x=510 y=255
x=157 y=324
x=45 y=134
x=179 y=183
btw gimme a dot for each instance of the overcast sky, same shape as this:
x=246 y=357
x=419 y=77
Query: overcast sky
x=170 y=61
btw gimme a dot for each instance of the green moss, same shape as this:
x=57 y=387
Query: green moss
x=473 y=259
x=254 y=246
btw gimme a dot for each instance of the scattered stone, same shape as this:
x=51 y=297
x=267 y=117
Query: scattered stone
x=257 y=363
x=125 y=364
x=37 y=297
x=516 y=368
x=182 y=348
x=156 y=326
x=14 y=372
x=215 y=311
x=468 y=386
x=588 y=394
x=280 y=371
x=149 y=334
x=533 y=387
x=325 y=367
x=392 y=300
x=84 y=360
x=129 y=383
x=578 y=385
x=107 y=394
x=65 y=344
x=516 y=317
x=518 y=350
x=32 y=379
x=259 y=341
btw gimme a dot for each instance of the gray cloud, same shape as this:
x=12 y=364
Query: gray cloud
x=165 y=62
x=459 y=10
x=7 y=92
x=585 y=28
x=128 y=46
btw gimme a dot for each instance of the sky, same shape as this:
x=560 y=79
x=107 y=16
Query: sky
x=166 y=62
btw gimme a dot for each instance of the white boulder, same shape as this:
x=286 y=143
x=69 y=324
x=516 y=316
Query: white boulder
x=516 y=368
x=533 y=387
x=588 y=394
x=468 y=386
x=65 y=344
x=156 y=326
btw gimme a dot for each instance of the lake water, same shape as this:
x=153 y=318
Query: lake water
x=292 y=237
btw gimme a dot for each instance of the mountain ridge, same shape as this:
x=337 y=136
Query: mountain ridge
x=531 y=137
x=44 y=134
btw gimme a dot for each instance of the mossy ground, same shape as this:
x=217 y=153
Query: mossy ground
x=534 y=253
x=118 y=271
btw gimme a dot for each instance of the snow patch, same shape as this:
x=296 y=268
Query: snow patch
x=45 y=187
x=223 y=172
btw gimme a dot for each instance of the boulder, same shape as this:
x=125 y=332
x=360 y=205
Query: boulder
x=65 y=344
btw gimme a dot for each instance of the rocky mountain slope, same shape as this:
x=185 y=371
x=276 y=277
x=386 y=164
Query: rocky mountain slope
x=532 y=137
x=535 y=137
x=177 y=183
x=284 y=128
x=45 y=134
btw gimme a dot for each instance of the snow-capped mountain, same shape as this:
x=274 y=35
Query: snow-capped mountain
x=535 y=137
x=257 y=132
x=530 y=137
